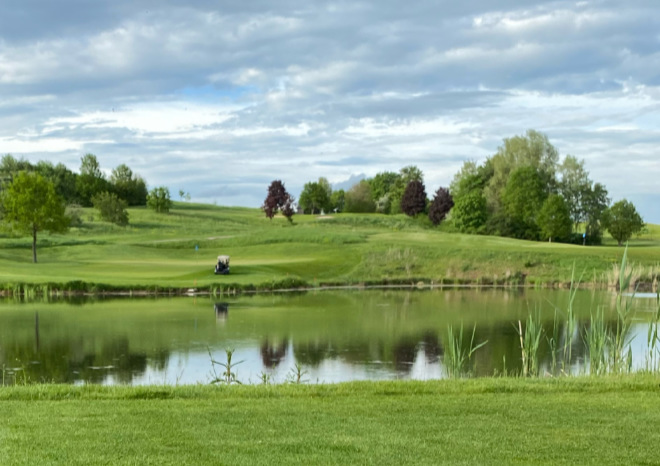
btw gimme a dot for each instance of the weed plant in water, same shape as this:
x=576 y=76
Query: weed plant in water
x=457 y=355
x=227 y=376
x=296 y=374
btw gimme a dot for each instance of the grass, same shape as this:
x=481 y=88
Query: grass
x=159 y=252
x=584 y=420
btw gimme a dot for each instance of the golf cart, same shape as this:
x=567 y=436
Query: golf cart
x=222 y=267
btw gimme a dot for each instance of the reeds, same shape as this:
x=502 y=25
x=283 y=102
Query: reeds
x=457 y=355
x=597 y=338
x=530 y=340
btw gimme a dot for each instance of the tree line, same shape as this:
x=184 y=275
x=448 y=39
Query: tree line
x=46 y=197
x=525 y=192
x=522 y=191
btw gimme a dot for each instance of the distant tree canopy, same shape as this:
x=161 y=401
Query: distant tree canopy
x=384 y=193
x=521 y=191
x=80 y=188
x=30 y=205
x=131 y=188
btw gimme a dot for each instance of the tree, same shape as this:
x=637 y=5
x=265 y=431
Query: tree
x=595 y=201
x=440 y=206
x=31 y=205
x=522 y=199
x=91 y=180
x=325 y=184
x=276 y=198
x=406 y=175
x=288 y=209
x=413 y=201
x=131 y=188
x=159 y=200
x=337 y=200
x=470 y=212
x=63 y=179
x=314 y=198
x=574 y=187
x=554 y=218
x=358 y=199
x=382 y=184
x=622 y=221
x=111 y=208
x=532 y=150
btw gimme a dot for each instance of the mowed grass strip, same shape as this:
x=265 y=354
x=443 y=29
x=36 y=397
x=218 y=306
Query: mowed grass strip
x=179 y=250
x=485 y=421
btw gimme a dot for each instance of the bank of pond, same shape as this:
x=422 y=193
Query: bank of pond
x=328 y=336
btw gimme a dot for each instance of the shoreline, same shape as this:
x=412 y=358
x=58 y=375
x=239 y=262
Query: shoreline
x=80 y=289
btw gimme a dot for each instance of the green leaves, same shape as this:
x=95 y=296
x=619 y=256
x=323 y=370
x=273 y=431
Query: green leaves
x=31 y=205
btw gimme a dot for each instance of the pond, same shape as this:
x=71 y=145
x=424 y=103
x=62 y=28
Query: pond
x=333 y=336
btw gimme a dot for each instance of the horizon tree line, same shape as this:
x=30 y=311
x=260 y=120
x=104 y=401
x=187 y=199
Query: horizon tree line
x=523 y=191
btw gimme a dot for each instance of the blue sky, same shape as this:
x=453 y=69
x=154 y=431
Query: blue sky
x=218 y=98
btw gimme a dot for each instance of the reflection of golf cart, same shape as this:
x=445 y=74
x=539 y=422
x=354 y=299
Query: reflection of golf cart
x=222 y=267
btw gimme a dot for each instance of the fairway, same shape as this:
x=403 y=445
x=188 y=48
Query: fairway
x=178 y=250
x=487 y=421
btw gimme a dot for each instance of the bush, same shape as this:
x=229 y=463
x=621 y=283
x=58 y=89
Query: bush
x=111 y=208
x=159 y=200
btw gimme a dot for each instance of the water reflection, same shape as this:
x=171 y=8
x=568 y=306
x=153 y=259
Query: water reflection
x=335 y=336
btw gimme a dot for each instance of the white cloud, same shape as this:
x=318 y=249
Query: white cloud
x=297 y=92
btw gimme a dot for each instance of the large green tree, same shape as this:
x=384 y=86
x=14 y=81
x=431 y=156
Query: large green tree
x=314 y=197
x=337 y=200
x=622 y=221
x=522 y=199
x=554 y=218
x=574 y=187
x=470 y=212
x=532 y=150
x=31 y=205
x=358 y=199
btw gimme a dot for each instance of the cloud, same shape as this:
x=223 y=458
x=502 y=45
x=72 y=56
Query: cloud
x=219 y=98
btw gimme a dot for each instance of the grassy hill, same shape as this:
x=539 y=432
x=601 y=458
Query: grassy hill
x=160 y=250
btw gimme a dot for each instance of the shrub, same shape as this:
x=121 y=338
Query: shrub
x=111 y=208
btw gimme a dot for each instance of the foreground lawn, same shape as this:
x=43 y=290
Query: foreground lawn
x=179 y=250
x=485 y=421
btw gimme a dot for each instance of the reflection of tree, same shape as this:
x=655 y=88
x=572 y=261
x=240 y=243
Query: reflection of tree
x=272 y=354
x=403 y=354
x=68 y=361
x=431 y=346
x=313 y=353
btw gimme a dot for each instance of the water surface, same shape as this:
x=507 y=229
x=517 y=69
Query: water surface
x=334 y=336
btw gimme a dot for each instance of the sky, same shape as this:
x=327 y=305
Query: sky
x=218 y=98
